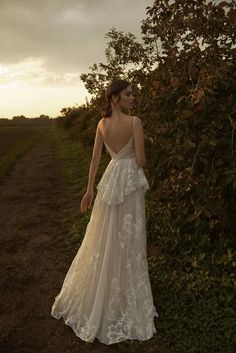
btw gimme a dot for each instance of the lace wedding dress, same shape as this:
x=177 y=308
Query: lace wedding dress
x=106 y=292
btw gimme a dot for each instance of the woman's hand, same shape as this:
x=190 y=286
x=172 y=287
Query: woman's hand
x=86 y=201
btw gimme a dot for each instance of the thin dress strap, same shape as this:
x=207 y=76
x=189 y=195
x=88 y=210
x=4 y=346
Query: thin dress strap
x=133 y=121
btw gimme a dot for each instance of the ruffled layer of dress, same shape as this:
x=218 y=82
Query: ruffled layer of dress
x=121 y=177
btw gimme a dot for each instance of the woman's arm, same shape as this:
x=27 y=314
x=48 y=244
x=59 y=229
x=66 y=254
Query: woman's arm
x=139 y=142
x=97 y=149
x=96 y=156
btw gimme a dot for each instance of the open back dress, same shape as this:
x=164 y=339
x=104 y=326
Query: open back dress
x=106 y=292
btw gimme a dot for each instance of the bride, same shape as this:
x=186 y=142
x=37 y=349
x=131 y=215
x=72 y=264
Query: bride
x=106 y=293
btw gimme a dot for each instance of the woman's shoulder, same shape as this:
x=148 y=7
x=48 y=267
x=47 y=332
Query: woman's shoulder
x=137 y=121
x=104 y=121
x=131 y=117
x=137 y=118
x=101 y=123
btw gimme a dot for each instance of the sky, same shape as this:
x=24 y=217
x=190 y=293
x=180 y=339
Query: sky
x=46 y=45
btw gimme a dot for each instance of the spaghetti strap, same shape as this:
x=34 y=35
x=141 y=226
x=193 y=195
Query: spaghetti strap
x=133 y=121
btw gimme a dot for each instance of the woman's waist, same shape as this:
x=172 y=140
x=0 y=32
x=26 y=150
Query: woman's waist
x=123 y=157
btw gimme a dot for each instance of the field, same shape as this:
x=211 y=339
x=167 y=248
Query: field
x=14 y=142
x=40 y=197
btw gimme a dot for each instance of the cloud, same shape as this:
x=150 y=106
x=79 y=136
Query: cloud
x=32 y=72
x=66 y=35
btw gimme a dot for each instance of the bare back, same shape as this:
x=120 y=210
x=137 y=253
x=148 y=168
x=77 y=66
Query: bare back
x=116 y=133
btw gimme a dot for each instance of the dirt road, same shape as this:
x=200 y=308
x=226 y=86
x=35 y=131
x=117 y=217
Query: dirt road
x=36 y=209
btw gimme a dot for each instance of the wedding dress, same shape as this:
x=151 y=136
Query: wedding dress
x=106 y=292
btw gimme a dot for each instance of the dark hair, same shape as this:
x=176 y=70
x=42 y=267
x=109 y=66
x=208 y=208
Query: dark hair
x=115 y=87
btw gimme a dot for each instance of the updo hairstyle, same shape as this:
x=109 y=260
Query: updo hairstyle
x=114 y=88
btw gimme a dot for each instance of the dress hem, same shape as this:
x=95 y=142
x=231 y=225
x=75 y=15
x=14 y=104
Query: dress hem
x=125 y=338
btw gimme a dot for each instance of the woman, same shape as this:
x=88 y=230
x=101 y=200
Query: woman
x=106 y=292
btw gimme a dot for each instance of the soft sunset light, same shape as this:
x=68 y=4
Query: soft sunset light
x=29 y=89
x=44 y=50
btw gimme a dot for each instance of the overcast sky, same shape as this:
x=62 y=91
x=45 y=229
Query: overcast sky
x=46 y=45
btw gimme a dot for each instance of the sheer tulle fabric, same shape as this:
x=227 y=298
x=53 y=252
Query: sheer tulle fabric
x=106 y=292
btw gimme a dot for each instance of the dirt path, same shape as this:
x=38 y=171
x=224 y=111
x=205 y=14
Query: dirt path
x=35 y=214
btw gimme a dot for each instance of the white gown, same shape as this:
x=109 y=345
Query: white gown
x=106 y=292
